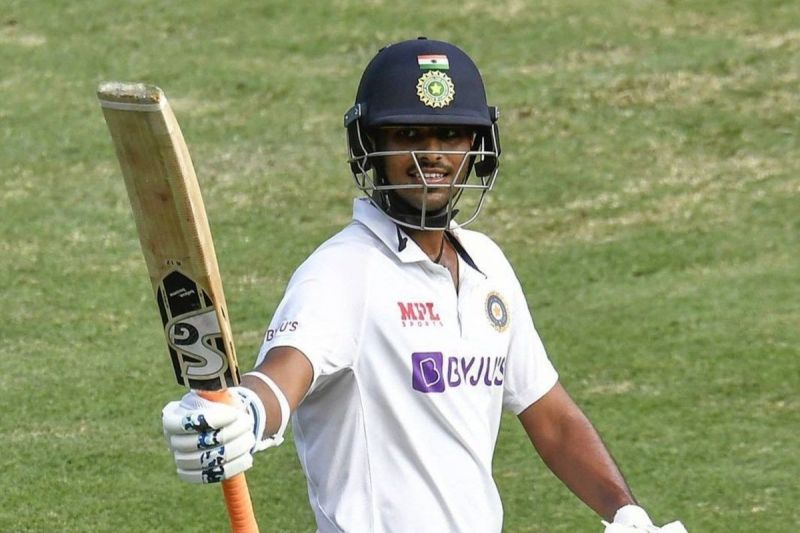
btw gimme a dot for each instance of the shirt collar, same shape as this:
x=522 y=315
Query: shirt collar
x=393 y=236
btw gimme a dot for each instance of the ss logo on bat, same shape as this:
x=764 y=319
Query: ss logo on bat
x=196 y=334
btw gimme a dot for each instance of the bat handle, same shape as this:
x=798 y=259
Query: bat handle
x=237 y=495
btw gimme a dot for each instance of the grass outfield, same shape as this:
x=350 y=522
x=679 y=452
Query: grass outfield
x=649 y=199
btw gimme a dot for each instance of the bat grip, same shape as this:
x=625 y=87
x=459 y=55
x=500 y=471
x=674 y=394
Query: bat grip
x=237 y=495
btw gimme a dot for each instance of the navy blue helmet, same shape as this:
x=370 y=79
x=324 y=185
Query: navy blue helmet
x=422 y=82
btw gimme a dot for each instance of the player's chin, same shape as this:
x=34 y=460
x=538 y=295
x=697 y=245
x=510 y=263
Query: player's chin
x=435 y=201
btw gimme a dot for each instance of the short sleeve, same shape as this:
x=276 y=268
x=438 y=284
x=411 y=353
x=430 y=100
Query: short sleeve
x=529 y=374
x=320 y=314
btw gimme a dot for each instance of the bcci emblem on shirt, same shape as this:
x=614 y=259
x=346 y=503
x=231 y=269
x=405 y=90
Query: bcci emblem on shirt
x=431 y=372
x=496 y=311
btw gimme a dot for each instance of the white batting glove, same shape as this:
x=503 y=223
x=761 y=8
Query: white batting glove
x=212 y=441
x=634 y=519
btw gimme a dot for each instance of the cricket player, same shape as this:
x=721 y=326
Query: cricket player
x=400 y=340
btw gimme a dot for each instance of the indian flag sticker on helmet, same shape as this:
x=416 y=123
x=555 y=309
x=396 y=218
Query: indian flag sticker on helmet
x=433 y=62
x=496 y=311
x=435 y=89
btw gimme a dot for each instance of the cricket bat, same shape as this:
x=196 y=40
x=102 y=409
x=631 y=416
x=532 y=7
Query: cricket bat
x=178 y=250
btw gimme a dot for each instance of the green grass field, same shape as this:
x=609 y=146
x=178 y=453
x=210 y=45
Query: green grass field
x=649 y=198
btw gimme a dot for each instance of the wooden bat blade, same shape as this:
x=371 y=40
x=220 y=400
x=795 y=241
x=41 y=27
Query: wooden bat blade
x=174 y=233
x=179 y=252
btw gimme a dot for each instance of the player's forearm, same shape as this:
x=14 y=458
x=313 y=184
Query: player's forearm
x=572 y=449
x=580 y=459
x=291 y=372
x=270 y=401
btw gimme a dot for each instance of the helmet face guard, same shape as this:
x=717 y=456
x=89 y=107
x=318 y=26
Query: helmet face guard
x=423 y=83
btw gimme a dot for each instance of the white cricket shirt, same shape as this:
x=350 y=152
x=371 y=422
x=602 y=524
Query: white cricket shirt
x=398 y=429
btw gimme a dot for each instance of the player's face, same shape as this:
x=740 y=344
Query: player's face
x=426 y=150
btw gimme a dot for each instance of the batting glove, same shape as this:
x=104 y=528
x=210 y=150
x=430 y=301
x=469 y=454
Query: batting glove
x=634 y=519
x=213 y=441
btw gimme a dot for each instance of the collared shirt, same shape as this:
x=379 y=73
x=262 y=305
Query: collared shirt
x=399 y=427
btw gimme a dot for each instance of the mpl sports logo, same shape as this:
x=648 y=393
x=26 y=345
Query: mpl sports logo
x=433 y=373
x=419 y=315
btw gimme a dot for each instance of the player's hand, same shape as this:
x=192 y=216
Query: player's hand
x=634 y=519
x=213 y=441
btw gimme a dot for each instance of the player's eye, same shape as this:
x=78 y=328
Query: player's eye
x=453 y=133
x=407 y=133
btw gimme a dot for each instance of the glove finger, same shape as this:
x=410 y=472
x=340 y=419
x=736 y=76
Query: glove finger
x=176 y=419
x=211 y=439
x=200 y=459
x=214 y=473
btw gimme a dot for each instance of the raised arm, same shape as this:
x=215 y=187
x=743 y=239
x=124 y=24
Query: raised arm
x=289 y=369
x=212 y=441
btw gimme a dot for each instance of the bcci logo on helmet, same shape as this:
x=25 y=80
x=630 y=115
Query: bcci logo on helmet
x=435 y=89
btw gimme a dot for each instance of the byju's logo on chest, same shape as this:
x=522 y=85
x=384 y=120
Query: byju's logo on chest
x=419 y=315
x=432 y=372
x=427 y=371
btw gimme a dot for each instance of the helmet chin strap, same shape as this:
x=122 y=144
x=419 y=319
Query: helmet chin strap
x=405 y=213
x=399 y=209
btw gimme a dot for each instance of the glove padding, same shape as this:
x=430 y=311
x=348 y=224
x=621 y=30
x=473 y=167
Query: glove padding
x=634 y=519
x=213 y=441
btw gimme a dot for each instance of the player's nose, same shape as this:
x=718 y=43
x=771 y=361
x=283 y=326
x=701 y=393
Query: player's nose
x=430 y=143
